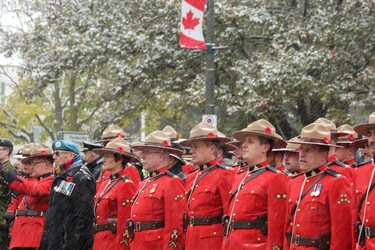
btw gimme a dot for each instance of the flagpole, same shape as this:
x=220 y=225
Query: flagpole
x=210 y=59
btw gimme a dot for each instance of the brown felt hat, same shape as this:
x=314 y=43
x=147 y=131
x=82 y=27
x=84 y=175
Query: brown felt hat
x=118 y=146
x=363 y=128
x=349 y=138
x=37 y=151
x=290 y=147
x=262 y=128
x=204 y=132
x=157 y=139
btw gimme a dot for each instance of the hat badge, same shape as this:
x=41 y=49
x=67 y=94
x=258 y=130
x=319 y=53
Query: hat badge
x=165 y=143
x=43 y=152
x=120 y=149
x=268 y=130
x=326 y=140
x=351 y=136
x=210 y=135
x=58 y=144
x=119 y=135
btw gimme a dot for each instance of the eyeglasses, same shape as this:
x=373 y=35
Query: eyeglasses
x=58 y=153
x=150 y=152
x=33 y=163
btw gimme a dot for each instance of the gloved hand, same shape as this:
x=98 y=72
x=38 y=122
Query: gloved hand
x=9 y=217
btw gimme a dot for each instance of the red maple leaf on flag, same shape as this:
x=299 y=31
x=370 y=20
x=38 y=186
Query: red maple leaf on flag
x=189 y=22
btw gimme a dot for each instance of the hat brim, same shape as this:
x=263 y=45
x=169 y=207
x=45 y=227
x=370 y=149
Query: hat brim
x=363 y=128
x=285 y=150
x=178 y=158
x=188 y=142
x=170 y=150
x=102 y=151
x=316 y=143
x=361 y=143
x=240 y=136
x=19 y=157
x=230 y=147
x=30 y=158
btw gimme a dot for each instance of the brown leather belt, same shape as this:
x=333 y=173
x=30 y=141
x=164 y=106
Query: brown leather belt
x=322 y=242
x=243 y=224
x=197 y=221
x=30 y=213
x=104 y=227
x=139 y=226
x=369 y=232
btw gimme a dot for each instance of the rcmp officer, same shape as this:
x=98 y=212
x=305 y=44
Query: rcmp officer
x=94 y=162
x=31 y=210
x=363 y=145
x=113 y=199
x=238 y=156
x=208 y=189
x=175 y=140
x=291 y=157
x=70 y=209
x=6 y=148
x=365 y=193
x=158 y=206
x=332 y=161
x=134 y=172
x=258 y=195
x=346 y=153
x=320 y=200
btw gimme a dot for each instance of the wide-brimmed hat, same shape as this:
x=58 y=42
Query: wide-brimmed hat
x=234 y=145
x=25 y=151
x=349 y=138
x=315 y=134
x=204 y=132
x=112 y=132
x=331 y=126
x=118 y=146
x=262 y=128
x=39 y=151
x=363 y=128
x=228 y=147
x=361 y=143
x=157 y=139
x=290 y=147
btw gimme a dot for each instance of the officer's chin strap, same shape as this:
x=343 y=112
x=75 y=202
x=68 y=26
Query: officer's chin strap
x=365 y=209
x=295 y=214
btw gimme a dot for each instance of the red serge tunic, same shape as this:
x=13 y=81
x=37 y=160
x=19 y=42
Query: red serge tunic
x=362 y=176
x=113 y=200
x=208 y=198
x=324 y=210
x=160 y=199
x=27 y=230
x=264 y=194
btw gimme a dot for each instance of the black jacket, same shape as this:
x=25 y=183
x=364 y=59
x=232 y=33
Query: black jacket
x=71 y=211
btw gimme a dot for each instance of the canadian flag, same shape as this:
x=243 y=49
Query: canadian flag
x=191 y=34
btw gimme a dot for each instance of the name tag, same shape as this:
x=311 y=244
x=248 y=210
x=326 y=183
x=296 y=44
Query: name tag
x=65 y=188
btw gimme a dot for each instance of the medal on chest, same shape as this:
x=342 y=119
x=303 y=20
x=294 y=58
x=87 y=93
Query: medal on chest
x=317 y=190
x=65 y=188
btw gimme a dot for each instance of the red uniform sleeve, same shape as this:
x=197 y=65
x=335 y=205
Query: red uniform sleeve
x=13 y=205
x=32 y=188
x=340 y=198
x=276 y=210
x=175 y=206
x=225 y=186
x=124 y=204
x=133 y=174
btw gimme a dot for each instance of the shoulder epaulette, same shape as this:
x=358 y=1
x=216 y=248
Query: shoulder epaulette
x=341 y=164
x=125 y=178
x=223 y=166
x=363 y=163
x=193 y=170
x=333 y=173
x=170 y=174
x=272 y=169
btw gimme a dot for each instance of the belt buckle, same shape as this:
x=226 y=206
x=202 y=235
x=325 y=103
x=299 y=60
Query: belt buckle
x=367 y=232
x=297 y=240
x=137 y=226
x=231 y=225
x=191 y=221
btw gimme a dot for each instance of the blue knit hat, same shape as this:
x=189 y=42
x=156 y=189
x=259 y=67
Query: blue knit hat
x=65 y=146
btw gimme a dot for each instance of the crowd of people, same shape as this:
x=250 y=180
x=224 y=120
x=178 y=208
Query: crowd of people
x=310 y=192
